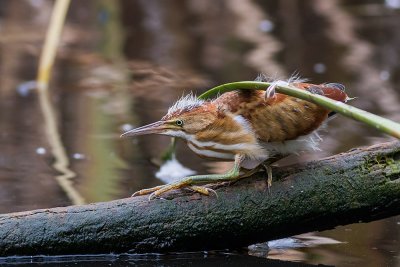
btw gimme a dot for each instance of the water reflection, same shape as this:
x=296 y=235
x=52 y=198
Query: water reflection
x=192 y=259
x=126 y=62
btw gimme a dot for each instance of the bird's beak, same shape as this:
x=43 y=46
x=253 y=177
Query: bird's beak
x=153 y=128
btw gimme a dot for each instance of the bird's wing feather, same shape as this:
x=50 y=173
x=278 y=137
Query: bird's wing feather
x=280 y=117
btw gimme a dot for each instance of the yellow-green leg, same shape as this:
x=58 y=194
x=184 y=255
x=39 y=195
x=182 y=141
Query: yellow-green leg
x=192 y=181
x=266 y=165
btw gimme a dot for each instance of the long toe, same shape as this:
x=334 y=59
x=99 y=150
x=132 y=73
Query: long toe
x=147 y=191
x=165 y=188
x=203 y=190
x=200 y=189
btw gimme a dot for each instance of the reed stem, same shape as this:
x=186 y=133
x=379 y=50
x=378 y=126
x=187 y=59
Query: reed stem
x=384 y=125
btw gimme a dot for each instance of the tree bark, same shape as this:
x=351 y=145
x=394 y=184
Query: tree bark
x=358 y=186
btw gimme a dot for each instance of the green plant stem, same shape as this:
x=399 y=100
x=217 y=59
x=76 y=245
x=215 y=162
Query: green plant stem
x=384 y=125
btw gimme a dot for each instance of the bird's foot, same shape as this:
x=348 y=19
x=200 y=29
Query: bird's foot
x=249 y=172
x=157 y=191
x=146 y=191
x=203 y=190
x=268 y=170
x=192 y=182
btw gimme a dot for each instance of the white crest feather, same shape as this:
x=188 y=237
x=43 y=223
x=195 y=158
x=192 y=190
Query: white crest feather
x=270 y=92
x=294 y=78
x=189 y=101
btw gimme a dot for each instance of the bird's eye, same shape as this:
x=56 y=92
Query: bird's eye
x=179 y=122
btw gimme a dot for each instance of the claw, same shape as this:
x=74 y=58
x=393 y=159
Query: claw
x=269 y=180
x=204 y=190
x=212 y=191
x=270 y=92
x=161 y=190
x=269 y=176
x=152 y=196
x=200 y=189
x=155 y=192
x=146 y=191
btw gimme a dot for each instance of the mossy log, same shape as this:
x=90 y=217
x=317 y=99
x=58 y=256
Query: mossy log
x=358 y=186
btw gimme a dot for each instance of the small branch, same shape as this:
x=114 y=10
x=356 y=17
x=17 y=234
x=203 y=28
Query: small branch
x=384 y=125
x=358 y=186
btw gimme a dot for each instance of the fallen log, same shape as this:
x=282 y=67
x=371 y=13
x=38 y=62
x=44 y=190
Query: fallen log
x=359 y=186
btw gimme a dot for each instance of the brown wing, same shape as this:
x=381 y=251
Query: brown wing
x=282 y=117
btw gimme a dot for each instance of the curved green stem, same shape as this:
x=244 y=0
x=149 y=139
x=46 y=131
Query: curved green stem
x=384 y=125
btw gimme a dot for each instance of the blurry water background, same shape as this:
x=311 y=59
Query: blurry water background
x=121 y=64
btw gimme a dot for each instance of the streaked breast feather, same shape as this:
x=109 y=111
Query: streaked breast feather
x=210 y=152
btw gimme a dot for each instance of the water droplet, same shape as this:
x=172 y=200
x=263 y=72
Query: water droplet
x=126 y=127
x=41 y=151
x=266 y=25
x=384 y=75
x=23 y=89
x=78 y=156
x=395 y=4
x=36 y=3
x=319 y=68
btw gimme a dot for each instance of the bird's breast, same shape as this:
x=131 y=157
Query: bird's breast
x=211 y=150
x=222 y=144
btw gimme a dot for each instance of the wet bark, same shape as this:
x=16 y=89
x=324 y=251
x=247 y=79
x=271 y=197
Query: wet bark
x=358 y=186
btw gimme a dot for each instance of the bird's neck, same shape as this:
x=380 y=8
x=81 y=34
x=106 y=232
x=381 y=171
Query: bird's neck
x=226 y=136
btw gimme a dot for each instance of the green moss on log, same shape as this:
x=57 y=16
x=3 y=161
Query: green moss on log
x=361 y=185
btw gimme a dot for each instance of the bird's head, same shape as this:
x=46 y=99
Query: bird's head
x=186 y=117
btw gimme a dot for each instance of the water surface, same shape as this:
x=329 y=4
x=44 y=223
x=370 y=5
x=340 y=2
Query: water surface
x=122 y=64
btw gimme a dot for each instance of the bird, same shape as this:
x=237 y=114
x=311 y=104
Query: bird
x=252 y=128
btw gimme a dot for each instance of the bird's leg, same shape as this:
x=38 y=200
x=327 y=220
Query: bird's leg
x=266 y=165
x=249 y=172
x=268 y=169
x=192 y=181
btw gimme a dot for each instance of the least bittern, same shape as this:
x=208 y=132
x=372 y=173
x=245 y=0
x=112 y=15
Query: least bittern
x=249 y=127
